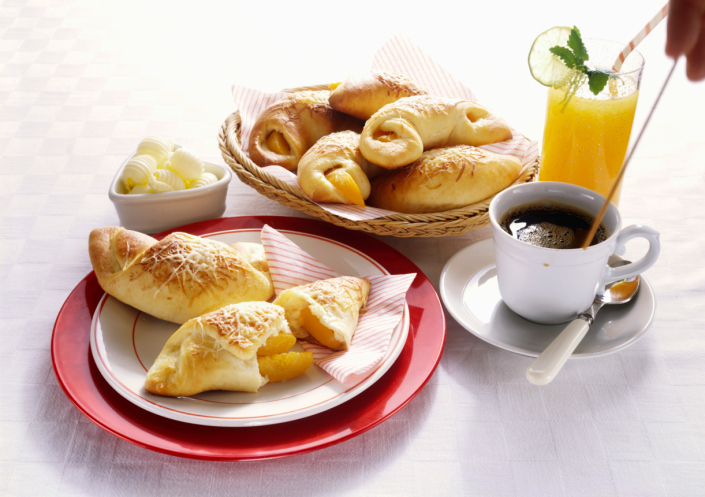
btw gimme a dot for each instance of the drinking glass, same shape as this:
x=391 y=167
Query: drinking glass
x=586 y=135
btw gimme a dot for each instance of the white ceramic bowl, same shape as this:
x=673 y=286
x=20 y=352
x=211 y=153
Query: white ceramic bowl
x=154 y=212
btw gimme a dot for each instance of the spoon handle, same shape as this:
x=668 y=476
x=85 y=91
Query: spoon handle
x=547 y=365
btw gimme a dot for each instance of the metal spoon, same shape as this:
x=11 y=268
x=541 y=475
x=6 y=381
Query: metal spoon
x=547 y=365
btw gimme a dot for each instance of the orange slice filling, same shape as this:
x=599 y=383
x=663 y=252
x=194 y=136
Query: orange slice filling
x=283 y=367
x=277 y=143
x=384 y=136
x=319 y=331
x=277 y=344
x=344 y=183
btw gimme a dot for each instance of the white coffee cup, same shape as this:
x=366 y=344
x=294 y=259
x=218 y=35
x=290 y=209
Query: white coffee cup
x=552 y=286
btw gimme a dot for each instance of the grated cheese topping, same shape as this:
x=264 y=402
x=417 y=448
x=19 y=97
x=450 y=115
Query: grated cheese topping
x=398 y=83
x=314 y=102
x=195 y=265
x=454 y=161
x=242 y=328
x=343 y=293
x=345 y=143
x=415 y=107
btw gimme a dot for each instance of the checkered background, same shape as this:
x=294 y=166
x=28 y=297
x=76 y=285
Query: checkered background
x=82 y=82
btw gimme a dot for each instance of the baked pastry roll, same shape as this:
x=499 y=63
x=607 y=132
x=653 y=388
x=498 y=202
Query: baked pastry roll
x=289 y=127
x=325 y=312
x=362 y=95
x=217 y=351
x=399 y=132
x=443 y=179
x=334 y=170
x=175 y=279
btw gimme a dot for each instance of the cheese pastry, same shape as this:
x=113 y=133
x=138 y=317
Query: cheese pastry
x=289 y=127
x=399 y=132
x=175 y=279
x=217 y=351
x=325 y=312
x=443 y=179
x=362 y=95
x=334 y=170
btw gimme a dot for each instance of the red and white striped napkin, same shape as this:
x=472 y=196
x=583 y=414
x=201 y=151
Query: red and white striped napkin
x=290 y=266
x=399 y=55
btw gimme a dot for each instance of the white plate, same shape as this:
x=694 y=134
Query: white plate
x=470 y=293
x=125 y=342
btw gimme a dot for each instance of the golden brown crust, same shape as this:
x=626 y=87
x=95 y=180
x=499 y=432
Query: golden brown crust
x=344 y=292
x=362 y=95
x=112 y=248
x=217 y=351
x=443 y=179
x=398 y=133
x=335 y=151
x=336 y=302
x=243 y=328
x=177 y=278
x=301 y=118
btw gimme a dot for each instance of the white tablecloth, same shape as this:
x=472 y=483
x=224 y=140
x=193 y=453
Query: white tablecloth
x=82 y=82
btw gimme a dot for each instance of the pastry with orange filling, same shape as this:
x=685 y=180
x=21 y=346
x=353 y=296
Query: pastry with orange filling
x=176 y=279
x=443 y=179
x=334 y=170
x=283 y=133
x=398 y=133
x=325 y=312
x=220 y=351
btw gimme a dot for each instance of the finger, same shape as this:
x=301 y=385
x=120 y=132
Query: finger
x=695 y=69
x=684 y=26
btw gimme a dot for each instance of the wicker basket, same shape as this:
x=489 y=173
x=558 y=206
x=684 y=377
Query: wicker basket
x=447 y=223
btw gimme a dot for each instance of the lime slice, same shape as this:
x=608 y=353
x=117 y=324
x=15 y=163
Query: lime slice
x=546 y=68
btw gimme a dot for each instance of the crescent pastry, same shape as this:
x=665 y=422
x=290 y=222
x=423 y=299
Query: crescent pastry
x=289 y=127
x=175 y=279
x=325 y=312
x=362 y=95
x=443 y=179
x=217 y=351
x=334 y=170
x=399 y=132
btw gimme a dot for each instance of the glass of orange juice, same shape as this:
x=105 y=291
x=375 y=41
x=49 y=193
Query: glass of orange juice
x=586 y=135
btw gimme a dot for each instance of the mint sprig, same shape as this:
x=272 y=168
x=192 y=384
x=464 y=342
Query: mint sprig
x=574 y=56
x=566 y=55
x=575 y=42
x=597 y=81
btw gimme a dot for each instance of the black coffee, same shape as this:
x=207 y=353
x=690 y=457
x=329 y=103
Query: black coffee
x=551 y=224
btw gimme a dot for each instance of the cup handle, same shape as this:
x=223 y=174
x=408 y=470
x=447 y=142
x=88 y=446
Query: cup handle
x=611 y=274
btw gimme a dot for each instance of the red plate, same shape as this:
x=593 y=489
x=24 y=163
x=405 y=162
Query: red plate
x=91 y=394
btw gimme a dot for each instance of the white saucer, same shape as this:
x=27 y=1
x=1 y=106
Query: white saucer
x=470 y=293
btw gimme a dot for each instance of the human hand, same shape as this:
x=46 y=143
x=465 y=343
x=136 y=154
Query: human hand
x=686 y=35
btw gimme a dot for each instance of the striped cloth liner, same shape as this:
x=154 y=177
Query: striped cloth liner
x=660 y=16
x=290 y=266
x=399 y=55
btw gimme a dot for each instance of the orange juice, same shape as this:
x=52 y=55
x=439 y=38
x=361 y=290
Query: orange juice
x=586 y=137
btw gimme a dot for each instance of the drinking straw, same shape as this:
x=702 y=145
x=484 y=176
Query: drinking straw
x=598 y=219
x=660 y=16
